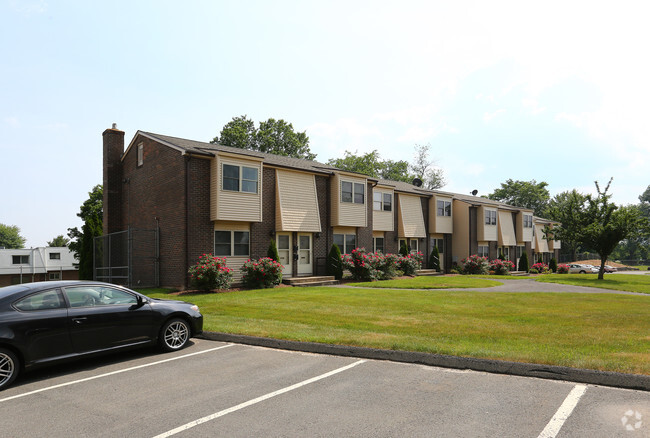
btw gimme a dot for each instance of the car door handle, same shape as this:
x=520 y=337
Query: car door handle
x=79 y=320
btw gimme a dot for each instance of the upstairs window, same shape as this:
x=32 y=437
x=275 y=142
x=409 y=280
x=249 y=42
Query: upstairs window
x=528 y=221
x=353 y=192
x=444 y=208
x=20 y=259
x=140 y=154
x=382 y=201
x=490 y=217
x=55 y=256
x=240 y=178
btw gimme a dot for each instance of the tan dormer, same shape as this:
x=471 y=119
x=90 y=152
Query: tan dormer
x=383 y=207
x=506 y=226
x=440 y=215
x=236 y=188
x=410 y=217
x=525 y=226
x=349 y=198
x=487 y=224
x=540 y=244
x=296 y=206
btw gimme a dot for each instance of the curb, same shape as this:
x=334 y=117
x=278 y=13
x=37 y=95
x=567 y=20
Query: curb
x=551 y=372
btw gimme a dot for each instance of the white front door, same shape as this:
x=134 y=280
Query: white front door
x=305 y=266
x=284 y=251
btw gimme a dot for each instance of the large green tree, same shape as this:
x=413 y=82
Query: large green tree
x=638 y=246
x=525 y=194
x=10 y=237
x=603 y=225
x=371 y=164
x=59 y=241
x=567 y=208
x=424 y=168
x=272 y=136
x=81 y=243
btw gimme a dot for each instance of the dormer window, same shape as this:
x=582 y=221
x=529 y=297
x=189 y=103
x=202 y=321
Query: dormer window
x=444 y=208
x=490 y=217
x=353 y=192
x=382 y=201
x=240 y=178
x=528 y=221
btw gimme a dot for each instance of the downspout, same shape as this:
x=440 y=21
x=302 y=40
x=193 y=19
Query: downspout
x=187 y=214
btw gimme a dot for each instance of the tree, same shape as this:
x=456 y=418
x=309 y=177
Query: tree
x=371 y=164
x=525 y=194
x=424 y=169
x=403 y=249
x=10 y=237
x=81 y=242
x=434 y=259
x=273 y=136
x=523 y=262
x=272 y=252
x=334 y=262
x=566 y=208
x=59 y=241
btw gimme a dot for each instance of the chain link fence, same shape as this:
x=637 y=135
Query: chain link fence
x=128 y=258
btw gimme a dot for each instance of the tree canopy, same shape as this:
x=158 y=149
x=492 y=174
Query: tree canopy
x=371 y=164
x=59 y=241
x=91 y=213
x=424 y=168
x=525 y=194
x=564 y=208
x=10 y=237
x=272 y=136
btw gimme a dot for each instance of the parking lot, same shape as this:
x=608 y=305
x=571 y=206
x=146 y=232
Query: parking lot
x=221 y=389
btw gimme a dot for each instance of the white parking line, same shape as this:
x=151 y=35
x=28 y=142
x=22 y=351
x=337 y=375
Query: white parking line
x=553 y=427
x=255 y=400
x=111 y=373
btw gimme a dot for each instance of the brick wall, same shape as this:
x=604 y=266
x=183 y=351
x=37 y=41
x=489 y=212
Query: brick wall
x=200 y=238
x=154 y=195
x=113 y=148
x=364 y=235
x=323 y=244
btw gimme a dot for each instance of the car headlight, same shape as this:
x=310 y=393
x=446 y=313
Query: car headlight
x=195 y=307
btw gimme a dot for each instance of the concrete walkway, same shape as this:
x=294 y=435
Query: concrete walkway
x=530 y=285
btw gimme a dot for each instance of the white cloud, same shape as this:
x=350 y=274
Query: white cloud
x=29 y=8
x=533 y=106
x=12 y=121
x=488 y=117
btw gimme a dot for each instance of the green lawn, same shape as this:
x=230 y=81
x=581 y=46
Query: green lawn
x=433 y=282
x=623 y=282
x=598 y=331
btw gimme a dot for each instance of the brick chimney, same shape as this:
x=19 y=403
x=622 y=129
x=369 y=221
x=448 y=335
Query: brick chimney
x=113 y=150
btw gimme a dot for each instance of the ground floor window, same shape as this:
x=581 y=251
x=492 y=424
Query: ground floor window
x=438 y=243
x=345 y=242
x=411 y=245
x=55 y=275
x=231 y=243
x=483 y=251
x=378 y=244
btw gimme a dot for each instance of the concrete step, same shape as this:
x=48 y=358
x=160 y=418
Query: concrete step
x=317 y=283
x=518 y=273
x=427 y=272
x=297 y=281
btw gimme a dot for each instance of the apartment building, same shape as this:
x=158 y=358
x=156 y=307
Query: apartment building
x=206 y=198
x=19 y=266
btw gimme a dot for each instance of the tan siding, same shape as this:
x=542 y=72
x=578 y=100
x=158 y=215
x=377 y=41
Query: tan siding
x=383 y=220
x=231 y=226
x=335 y=193
x=235 y=263
x=349 y=213
x=344 y=230
x=238 y=206
x=541 y=243
x=486 y=232
x=506 y=229
x=378 y=234
x=523 y=234
x=410 y=217
x=460 y=240
x=298 y=206
x=440 y=224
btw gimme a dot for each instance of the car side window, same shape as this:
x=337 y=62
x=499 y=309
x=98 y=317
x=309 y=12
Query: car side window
x=91 y=296
x=45 y=300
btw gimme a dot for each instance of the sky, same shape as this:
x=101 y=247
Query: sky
x=553 y=91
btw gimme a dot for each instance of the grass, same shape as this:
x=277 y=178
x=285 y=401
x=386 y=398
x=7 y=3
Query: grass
x=622 y=282
x=597 y=331
x=431 y=282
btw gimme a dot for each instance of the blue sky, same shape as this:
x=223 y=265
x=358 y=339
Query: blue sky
x=552 y=91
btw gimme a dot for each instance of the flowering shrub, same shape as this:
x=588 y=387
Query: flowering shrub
x=501 y=267
x=474 y=265
x=539 y=268
x=370 y=266
x=410 y=263
x=261 y=273
x=562 y=269
x=210 y=273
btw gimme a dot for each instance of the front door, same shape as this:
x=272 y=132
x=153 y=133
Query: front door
x=284 y=251
x=305 y=265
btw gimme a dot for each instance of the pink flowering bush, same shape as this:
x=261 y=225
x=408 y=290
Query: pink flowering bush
x=562 y=269
x=539 y=268
x=501 y=267
x=262 y=273
x=474 y=265
x=370 y=266
x=210 y=273
x=410 y=263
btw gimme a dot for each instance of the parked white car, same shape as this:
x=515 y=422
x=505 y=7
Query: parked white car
x=575 y=268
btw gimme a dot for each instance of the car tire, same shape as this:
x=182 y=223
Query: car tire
x=582 y=272
x=9 y=367
x=174 y=334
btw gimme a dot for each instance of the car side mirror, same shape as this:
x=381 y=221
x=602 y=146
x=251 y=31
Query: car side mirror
x=141 y=301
